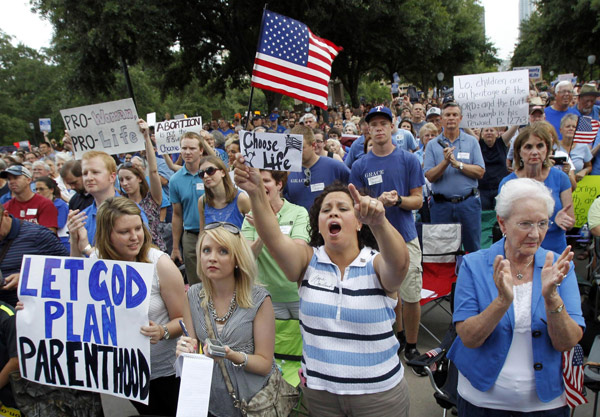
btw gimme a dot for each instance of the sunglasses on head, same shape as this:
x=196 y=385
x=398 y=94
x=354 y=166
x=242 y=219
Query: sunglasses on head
x=307 y=174
x=230 y=227
x=210 y=171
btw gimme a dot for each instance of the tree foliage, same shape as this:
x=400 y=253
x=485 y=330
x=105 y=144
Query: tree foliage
x=559 y=36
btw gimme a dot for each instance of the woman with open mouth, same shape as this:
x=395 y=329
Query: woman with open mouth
x=347 y=297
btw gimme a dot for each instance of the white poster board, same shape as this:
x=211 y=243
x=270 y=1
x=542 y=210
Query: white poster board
x=79 y=327
x=493 y=99
x=535 y=72
x=274 y=151
x=168 y=133
x=110 y=127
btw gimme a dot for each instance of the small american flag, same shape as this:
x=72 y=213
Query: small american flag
x=586 y=131
x=292 y=61
x=572 y=362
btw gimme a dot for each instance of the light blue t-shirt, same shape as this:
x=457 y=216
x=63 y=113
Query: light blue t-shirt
x=186 y=189
x=453 y=183
x=358 y=146
x=554 y=117
x=579 y=153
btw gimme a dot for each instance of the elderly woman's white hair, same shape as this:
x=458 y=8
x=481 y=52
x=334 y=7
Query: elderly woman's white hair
x=63 y=156
x=519 y=189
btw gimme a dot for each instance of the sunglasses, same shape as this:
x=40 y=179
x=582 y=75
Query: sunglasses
x=230 y=227
x=307 y=175
x=210 y=171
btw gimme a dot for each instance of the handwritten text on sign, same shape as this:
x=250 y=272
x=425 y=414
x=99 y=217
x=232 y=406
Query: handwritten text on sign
x=77 y=328
x=110 y=127
x=274 y=151
x=493 y=99
x=584 y=195
x=169 y=132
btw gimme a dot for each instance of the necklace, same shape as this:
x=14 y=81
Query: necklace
x=213 y=312
x=519 y=274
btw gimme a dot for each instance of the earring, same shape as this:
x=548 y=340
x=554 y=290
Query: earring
x=521 y=164
x=237 y=267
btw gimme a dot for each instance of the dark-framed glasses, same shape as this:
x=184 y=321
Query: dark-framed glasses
x=230 y=227
x=528 y=226
x=210 y=171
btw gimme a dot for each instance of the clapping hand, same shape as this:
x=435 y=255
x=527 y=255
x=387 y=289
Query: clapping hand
x=553 y=273
x=503 y=280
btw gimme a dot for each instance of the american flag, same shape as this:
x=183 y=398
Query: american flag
x=586 y=131
x=292 y=61
x=572 y=362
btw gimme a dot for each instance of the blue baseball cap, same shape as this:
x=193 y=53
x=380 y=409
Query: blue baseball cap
x=379 y=111
x=273 y=117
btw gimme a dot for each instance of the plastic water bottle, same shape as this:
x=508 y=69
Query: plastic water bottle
x=585 y=231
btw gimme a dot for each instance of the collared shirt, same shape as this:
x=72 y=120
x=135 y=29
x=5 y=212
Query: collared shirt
x=27 y=239
x=453 y=183
x=554 y=117
x=185 y=189
x=357 y=149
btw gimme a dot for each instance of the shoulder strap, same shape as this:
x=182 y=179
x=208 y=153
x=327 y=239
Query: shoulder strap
x=211 y=334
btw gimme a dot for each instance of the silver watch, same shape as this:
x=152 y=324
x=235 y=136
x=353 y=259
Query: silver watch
x=166 y=334
x=461 y=166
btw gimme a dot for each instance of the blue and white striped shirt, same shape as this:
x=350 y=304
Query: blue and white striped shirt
x=349 y=346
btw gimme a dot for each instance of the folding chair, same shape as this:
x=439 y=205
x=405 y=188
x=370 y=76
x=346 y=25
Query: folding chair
x=488 y=220
x=440 y=244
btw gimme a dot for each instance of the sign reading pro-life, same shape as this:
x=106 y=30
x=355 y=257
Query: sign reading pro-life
x=493 y=99
x=274 y=151
x=79 y=327
x=110 y=127
x=168 y=133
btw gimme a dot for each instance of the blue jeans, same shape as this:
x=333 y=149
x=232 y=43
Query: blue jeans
x=467 y=213
x=466 y=409
x=488 y=199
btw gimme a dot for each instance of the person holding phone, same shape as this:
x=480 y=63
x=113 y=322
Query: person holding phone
x=240 y=313
x=579 y=153
x=532 y=160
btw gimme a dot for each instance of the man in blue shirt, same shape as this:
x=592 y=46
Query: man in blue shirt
x=555 y=113
x=453 y=170
x=317 y=172
x=185 y=188
x=224 y=127
x=394 y=176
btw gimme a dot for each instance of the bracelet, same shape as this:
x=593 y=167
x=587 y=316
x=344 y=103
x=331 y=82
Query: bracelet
x=558 y=309
x=243 y=364
x=87 y=250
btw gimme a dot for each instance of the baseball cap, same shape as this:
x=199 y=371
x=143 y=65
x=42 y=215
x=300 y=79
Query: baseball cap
x=273 y=117
x=16 y=170
x=434 y=111
x=379 y=111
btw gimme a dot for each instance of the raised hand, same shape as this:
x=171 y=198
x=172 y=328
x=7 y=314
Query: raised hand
x=368 y=210
x=143 y=126
x=245 y=177
x=553 y=273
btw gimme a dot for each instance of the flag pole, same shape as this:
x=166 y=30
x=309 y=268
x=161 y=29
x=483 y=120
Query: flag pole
x=252 y=87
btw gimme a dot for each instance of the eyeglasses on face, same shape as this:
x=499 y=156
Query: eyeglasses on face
x=230 y=227
x=307 y=175
x=210 y=171
x=528 y=226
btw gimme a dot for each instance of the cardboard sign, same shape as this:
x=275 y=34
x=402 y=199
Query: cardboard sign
x=535 y=73
x=565 y=77
x=493 y=99
x=169 y=132
x=45 y=125
x=80 y=324
x=584 y=195
x=151 y=119
x=274 y=151
x=110 y=127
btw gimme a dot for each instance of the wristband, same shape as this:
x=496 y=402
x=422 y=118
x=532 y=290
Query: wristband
x=243 y=364
x=559 y=309
x=87 y=250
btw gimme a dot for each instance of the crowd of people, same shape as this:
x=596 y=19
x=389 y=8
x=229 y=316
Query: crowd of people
x=334 y=246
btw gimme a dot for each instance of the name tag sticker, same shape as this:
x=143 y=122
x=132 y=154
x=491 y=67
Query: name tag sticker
x=463 y=155
x=327 y=281
x=200 y=186
x=31 y=211
x=286 y=229
x=377 y=179
x=317 y=187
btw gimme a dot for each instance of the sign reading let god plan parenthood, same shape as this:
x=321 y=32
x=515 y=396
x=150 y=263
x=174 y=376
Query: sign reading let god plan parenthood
x=110 y=127
x=79 y=327
x=493 y=99
x=274 y=151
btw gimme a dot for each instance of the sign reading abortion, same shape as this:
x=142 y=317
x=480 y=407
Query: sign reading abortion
x=79 y=327
x=110 y=127
x=493 y=99
x=169 y=132
x=274 y=151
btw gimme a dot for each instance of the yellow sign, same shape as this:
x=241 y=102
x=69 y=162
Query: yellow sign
x=584 y=195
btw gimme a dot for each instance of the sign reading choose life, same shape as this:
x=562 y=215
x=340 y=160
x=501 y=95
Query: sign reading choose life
x=110 y=127
x=493 y=99
x=274 y=151
x=79 y=327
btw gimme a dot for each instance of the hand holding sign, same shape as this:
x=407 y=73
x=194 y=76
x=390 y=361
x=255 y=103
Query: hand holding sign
x=368 y=210
x=246 y=177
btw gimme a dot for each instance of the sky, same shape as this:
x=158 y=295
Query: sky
x=17 y=20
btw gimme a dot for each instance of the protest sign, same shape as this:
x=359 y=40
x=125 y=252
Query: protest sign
x=45 y=125
x=535 y=73
x=584 y=195
x=151 y=119
x=275 y=151
x=493 y=99
x=110 y=127
x=169 y=132
x=79 y=327
x=565 y=77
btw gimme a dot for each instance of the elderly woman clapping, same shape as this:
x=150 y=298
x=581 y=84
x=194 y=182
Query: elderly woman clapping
x=517 y=309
